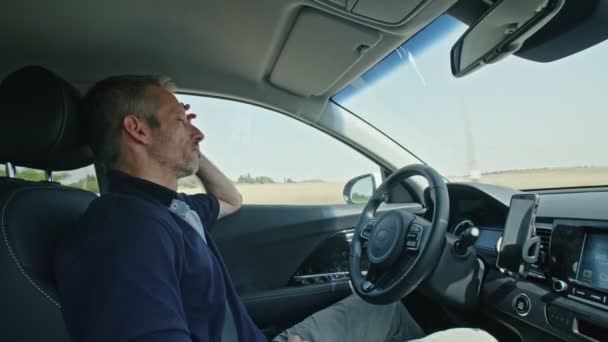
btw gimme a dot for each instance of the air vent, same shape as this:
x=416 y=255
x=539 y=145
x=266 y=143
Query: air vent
x=543 y=219
x=544 y=231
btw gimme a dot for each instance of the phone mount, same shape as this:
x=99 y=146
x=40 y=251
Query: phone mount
x=529 y=254
x=533 y=242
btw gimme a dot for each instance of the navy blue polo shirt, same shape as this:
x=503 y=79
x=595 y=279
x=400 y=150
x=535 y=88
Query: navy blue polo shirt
x=135 y=271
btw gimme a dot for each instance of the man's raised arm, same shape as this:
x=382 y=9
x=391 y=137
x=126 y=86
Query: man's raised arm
x=219 y=186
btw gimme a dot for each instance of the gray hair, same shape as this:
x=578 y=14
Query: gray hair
x=109 y=101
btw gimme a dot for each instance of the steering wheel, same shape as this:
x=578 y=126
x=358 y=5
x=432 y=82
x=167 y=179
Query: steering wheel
x=402 y=248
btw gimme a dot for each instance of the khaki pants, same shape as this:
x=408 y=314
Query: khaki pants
x=355 y=320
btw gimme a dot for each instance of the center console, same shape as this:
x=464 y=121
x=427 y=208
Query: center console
x=565 y=290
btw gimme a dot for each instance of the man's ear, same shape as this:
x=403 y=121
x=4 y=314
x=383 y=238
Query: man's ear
x=136 y=129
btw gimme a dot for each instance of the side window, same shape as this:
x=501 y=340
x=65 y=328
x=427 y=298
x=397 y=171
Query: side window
x=83 y=178
x=272 y=158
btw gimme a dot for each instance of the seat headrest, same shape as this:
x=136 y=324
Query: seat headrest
x=40 y=123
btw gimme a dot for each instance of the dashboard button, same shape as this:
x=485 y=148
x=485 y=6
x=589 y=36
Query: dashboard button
x=522 y=304
x=596 y=297
x=559 y=318
x=581 y=293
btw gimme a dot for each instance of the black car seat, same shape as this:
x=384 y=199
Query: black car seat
x=39 y=128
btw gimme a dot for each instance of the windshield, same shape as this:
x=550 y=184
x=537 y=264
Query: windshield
x=517 y=123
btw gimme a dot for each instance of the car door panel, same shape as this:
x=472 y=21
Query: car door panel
x=265 y=246
x=284 y=306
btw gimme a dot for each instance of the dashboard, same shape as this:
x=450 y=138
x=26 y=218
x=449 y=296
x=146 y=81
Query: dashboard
x=565 y=294
x=564 y=297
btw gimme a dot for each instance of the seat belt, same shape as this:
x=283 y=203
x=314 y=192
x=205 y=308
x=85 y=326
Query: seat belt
x=229 y=332
x=183 y=210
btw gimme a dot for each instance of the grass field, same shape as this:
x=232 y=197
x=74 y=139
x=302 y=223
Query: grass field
x=289 y=193
x=545 y=178
x=293 y=193
x=331 y=192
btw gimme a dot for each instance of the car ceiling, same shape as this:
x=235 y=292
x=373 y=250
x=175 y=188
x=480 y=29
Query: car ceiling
x=227 y=48
x=289 y=55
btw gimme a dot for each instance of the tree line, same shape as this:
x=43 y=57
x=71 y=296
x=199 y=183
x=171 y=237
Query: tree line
x=249 y=179
x=89 y=182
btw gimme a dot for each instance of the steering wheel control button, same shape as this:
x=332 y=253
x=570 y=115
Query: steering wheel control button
x=367 y=286
x=368 y=230
x=560 y=285
x=415 y=228
x=366 y=233
x=522 y=304
x=413 y=237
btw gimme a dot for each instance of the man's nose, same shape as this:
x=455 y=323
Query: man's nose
x=198 y=135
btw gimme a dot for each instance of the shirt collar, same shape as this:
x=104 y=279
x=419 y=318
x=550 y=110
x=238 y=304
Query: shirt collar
x=121 y=182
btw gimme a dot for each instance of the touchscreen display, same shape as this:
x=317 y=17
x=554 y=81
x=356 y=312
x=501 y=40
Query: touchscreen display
x=593 y=265
x=517 y=231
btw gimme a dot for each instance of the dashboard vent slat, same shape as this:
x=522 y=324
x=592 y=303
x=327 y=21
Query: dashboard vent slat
x=545 y=237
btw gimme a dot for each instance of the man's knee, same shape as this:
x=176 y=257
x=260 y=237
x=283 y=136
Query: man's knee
x=459 y=334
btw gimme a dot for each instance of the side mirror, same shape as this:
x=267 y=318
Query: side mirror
x=501 y=31
x=359 y=189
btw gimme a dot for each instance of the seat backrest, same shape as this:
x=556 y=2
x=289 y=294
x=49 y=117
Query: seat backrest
x=39 y=128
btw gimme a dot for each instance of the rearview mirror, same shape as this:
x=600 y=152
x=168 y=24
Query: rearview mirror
x=501 y=31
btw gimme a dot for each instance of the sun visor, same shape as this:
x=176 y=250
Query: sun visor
x=388 y=11
x=318 y=51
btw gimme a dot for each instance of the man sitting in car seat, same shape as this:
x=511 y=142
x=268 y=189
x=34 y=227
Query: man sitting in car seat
x=142 y=266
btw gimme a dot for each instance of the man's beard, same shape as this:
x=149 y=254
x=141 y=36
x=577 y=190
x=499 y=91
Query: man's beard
x=189 y=169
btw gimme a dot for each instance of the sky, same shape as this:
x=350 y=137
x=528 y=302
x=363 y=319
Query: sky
x=515 y=114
